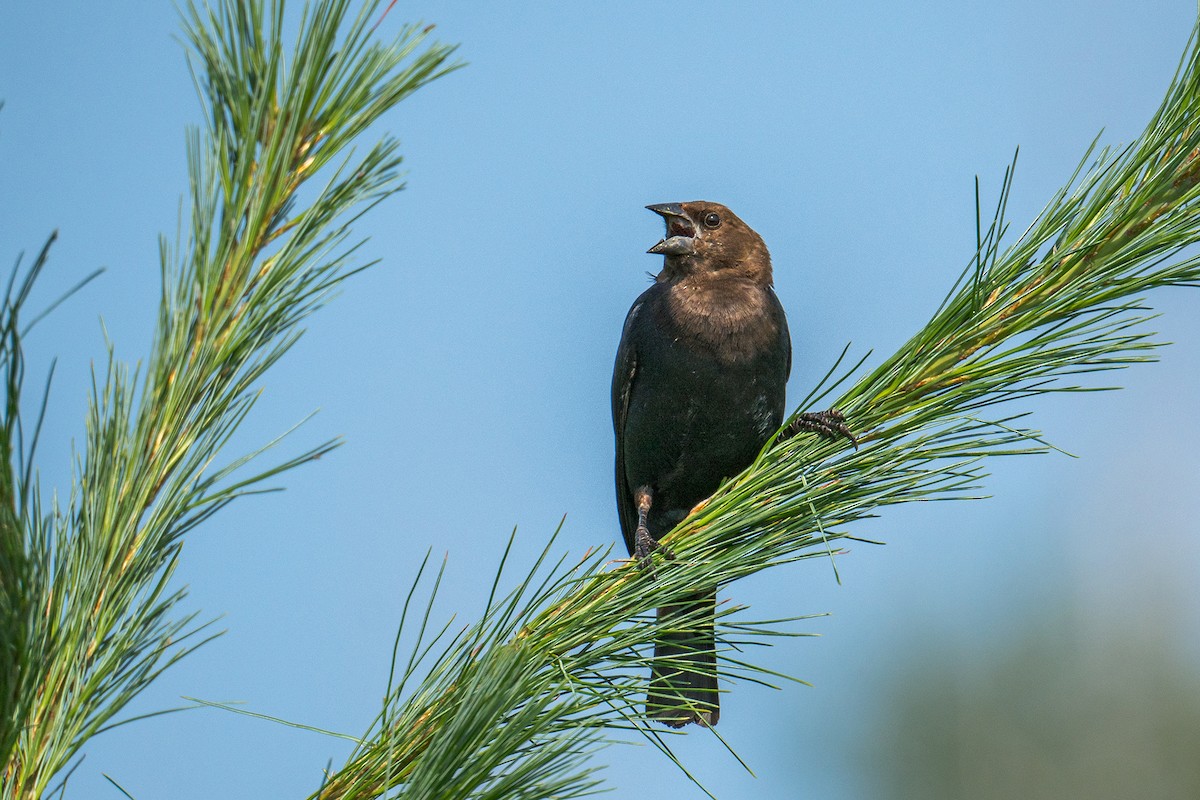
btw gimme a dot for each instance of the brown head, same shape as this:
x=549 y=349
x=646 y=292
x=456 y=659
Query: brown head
x=707 y=238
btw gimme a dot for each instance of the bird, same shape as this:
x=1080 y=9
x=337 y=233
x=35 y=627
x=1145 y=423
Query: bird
x=698 y=388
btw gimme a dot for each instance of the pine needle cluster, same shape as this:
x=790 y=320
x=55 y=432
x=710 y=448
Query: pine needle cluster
x=512 y=705
x=88 y=616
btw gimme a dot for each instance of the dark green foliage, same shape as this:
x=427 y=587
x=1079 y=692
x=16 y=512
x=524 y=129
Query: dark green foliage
x=1056 y=713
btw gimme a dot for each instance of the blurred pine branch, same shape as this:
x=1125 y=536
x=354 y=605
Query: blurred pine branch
x=88 y=618
x=511 y=705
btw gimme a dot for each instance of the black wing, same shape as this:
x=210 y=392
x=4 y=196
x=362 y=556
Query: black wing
x=785 y=337
x=624 y=374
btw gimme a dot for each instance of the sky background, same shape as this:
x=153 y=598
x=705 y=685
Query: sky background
x=469 y=370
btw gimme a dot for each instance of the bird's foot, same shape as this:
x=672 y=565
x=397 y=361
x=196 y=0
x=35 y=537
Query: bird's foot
x=826 y=424
x=644 y=545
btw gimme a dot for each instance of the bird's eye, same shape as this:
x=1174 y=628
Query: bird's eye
x=712 y=220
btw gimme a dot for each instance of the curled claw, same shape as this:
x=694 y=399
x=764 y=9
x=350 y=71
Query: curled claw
x=644 y=545
x=828 y=424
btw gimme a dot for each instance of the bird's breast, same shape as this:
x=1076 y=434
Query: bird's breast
x=731 y=321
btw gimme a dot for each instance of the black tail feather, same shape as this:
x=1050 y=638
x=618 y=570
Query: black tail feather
x=683 y=681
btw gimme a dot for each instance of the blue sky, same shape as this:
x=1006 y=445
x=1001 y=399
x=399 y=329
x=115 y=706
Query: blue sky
x=468 y=372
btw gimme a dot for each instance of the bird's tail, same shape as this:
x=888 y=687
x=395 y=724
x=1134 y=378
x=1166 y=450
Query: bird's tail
x=683 y=680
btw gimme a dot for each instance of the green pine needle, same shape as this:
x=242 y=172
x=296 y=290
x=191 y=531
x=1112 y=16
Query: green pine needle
x=88 y=617
x=553 y=670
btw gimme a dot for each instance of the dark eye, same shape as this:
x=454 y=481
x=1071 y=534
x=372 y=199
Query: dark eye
x=712 y=220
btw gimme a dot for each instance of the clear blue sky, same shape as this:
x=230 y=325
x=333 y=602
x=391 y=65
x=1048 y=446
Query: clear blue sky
x=469 y=370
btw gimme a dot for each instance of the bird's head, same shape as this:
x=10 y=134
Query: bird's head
x=704 y=237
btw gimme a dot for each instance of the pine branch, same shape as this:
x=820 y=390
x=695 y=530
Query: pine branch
x=89 y=618
x=511 y=705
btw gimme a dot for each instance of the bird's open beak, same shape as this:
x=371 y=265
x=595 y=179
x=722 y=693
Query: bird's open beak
x=681 y=232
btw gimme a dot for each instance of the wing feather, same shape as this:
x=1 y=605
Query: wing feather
x=624 y=375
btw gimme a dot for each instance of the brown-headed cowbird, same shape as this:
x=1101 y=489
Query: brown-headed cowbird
x=697 y=390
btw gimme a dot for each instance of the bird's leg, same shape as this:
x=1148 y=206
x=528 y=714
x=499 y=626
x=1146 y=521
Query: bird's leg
x=827 y=424
x=643 y=543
